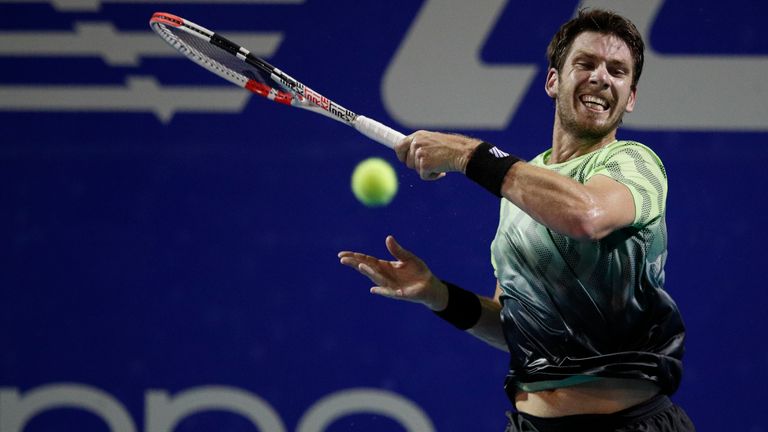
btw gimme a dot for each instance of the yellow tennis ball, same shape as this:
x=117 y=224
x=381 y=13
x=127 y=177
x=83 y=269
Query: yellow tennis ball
x=374 y=182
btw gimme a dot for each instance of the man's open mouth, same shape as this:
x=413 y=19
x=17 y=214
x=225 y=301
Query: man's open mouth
x=595 y=103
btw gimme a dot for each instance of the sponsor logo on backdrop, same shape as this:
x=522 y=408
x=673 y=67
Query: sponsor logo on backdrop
x=162 y=411
x=676 y=92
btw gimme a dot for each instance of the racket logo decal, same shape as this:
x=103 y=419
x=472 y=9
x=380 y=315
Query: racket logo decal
x=317 y=98
x=341 y=112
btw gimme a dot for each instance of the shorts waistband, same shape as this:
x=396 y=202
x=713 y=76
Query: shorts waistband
x=638 y=412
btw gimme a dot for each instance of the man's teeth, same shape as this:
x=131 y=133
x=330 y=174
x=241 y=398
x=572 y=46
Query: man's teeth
x=595 y=102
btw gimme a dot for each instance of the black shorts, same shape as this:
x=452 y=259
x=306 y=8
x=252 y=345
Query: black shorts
x=658 y=414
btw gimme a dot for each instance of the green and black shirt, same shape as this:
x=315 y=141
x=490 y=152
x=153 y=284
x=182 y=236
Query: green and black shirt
x=579 y=310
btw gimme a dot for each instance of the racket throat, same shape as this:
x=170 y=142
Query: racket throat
x=268 y=92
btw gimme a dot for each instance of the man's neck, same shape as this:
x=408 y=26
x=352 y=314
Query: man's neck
x=567 y=146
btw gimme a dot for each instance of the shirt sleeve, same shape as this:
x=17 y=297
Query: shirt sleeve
x=641 y=171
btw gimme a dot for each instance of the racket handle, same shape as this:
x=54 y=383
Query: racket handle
x=377 y=131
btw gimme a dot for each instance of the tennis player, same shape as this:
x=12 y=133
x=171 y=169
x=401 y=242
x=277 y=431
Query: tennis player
x=595 y=342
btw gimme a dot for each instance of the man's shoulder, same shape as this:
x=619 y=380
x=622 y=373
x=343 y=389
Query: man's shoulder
x=631 y=149
x=624 y=145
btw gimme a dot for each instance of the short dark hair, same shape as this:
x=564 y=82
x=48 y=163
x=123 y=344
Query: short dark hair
x=600 y=21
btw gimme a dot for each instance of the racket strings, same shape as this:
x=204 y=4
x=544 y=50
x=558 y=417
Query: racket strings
x=216 y=59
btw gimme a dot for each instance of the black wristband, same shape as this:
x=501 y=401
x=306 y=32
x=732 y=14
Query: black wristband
x=463 y=310
x=488 y=165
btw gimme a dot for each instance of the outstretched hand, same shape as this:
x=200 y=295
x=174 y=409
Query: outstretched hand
x=407 y=278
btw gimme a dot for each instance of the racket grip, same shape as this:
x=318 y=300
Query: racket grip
x=377 y=131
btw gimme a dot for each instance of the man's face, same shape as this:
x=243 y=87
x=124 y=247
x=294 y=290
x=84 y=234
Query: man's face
x=594 y=88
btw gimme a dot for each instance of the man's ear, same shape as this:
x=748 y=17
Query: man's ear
x=550 y=86
x=632 y=100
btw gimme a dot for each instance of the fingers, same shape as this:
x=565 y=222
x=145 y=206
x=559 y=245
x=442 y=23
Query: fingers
x=373 y=269
x=409 y=150
x=414 y=152
x=424 y=166
x=355 y=259
x=403 y=148
x=431 y=176
x=387 y=292
x=365 y=265
x=393 y=279
x=361 y=257
x=371 y=274
x=397 y=251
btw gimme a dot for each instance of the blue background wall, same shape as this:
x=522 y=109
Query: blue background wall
x=138 y=254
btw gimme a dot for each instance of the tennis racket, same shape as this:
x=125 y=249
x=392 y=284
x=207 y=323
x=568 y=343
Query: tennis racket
x=238 y=66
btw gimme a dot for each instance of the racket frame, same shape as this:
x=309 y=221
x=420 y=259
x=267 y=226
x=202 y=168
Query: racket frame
x=296 y=94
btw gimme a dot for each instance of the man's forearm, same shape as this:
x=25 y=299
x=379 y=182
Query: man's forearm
x=488 y=328
x=554 y=200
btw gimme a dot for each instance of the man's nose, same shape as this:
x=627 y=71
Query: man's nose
x=600 y=77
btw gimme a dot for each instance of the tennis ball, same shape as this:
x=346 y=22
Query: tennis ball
x=374 y=182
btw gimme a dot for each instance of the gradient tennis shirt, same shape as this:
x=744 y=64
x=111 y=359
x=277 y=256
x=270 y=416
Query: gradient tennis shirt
x=577 y=310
